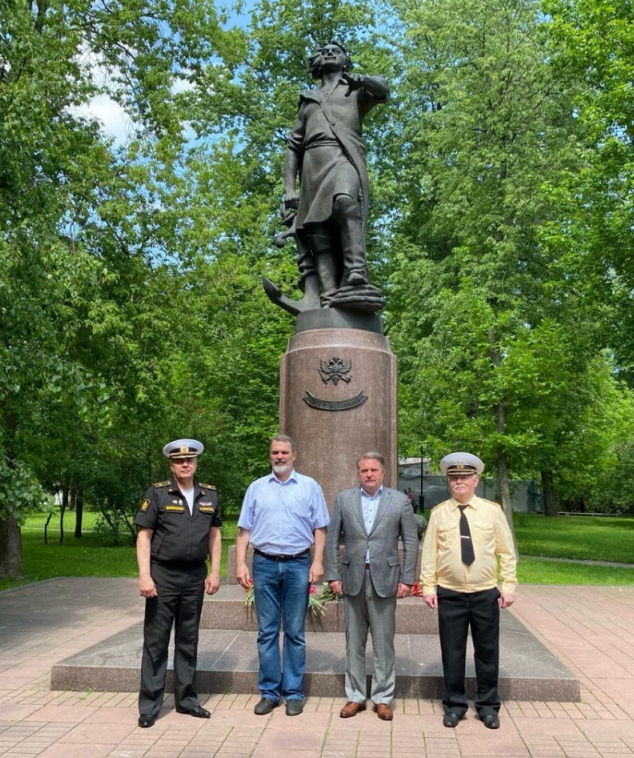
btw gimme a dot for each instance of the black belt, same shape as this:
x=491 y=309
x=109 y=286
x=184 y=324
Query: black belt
x=281 y=557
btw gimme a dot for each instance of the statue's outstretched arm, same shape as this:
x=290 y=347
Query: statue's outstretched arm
x=375 y=85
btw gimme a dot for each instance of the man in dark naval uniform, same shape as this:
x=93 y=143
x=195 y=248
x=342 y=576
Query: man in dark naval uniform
x=179 y=526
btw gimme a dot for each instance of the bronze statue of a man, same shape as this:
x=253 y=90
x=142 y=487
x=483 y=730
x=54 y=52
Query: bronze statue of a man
x=326 y=151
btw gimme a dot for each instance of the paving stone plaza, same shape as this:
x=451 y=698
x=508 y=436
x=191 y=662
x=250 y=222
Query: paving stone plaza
x=589 y=629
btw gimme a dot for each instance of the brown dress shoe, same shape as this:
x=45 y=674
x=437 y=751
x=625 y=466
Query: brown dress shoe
x=351 y=709
x=383 y=711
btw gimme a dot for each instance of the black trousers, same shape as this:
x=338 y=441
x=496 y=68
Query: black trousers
x=457 y=611
x=180 y=592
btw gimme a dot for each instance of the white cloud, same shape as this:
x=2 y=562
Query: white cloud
x=115 y=122
x=181 y=85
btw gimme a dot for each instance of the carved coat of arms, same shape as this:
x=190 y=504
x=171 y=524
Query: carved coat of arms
x=335 y=370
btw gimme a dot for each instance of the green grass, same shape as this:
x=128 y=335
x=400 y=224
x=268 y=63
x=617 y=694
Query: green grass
x=536 y=571
x=602 y=538
x=92 y=555
x=35 y=523
x=580 y=537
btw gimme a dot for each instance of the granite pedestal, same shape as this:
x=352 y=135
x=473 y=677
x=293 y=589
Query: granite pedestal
x=338 y=401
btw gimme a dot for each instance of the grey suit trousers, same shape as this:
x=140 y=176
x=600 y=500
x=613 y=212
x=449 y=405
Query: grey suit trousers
x=363 y=612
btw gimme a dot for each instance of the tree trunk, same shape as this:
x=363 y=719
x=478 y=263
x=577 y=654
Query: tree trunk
x=504 y=490
x=504 y=483
x=10 y=534
x=548 y=489
x=48 y=521
x=105 y=512
x=62 y=510
x=79 y=511
x=10 y=548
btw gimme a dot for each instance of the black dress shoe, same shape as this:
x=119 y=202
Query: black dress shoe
x=146 y=721
x=266 y=705
x=197 y=712
x=294 y=707
x=491 y=721
x=451 y=719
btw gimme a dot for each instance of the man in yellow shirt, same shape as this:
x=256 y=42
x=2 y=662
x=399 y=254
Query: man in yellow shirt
x=459 y=572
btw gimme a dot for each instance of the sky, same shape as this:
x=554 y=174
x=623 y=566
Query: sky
x=115 y=123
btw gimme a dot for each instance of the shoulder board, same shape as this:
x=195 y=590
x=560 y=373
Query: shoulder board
x=491 y=502
x=207 y=486
x=161 y=484
x=438 y=505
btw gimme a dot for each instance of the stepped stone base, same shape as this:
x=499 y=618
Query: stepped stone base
x=226 y=610
x=228 y=662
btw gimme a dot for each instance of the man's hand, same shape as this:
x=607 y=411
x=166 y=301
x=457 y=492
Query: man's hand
x=316 y=573
x=212 y=584
x=354 y=81
x=243 y=576
x=242 y=572
x=336 y=586
x=402 y=590
x=147 y=588
x=291 y=201
x=431 y=600
x=506 y=600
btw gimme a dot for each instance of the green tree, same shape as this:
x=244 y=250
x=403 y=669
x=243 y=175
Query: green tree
x=80 y=226
x=478 y=299
x=592 y=45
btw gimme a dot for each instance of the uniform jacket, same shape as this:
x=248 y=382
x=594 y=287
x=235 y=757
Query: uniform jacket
x=179 y=535
x=394 y=519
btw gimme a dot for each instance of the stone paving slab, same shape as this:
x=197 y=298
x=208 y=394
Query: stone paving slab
x=227 y=661
x=60 y=618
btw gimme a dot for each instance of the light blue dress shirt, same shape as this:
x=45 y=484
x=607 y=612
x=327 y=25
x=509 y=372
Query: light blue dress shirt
x=370 y=504
x=281 y=516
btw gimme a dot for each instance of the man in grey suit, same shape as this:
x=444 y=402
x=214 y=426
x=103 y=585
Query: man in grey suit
x=369 y=519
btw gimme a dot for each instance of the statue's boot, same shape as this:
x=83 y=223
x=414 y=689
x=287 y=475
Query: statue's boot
x=326 y=265
x=347 y=213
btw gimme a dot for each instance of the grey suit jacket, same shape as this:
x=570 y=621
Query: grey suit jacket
x=394 y=519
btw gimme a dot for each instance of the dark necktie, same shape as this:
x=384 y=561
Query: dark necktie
x=466 y=545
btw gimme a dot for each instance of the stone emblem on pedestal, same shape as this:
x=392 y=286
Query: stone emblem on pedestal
x=335 y=370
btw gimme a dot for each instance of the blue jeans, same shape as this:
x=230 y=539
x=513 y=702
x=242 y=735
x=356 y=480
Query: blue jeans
x=281 y=595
